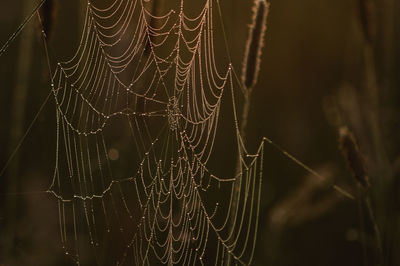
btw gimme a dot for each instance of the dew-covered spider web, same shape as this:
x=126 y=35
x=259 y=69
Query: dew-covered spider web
x=138 y=108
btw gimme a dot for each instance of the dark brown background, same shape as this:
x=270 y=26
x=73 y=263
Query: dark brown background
x=314 y=51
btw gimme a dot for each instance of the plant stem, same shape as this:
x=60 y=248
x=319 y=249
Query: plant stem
x=23 y=69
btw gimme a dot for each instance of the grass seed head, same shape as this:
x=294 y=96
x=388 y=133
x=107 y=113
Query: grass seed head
x=254 y=45
x=355 y=160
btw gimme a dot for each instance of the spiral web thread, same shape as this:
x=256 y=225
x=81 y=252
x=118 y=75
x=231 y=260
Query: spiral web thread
x=155 y=76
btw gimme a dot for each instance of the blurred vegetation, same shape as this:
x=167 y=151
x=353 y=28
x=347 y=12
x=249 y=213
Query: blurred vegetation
x=326 y=64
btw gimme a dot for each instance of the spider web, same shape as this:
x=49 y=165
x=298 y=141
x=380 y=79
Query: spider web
x=154 y=81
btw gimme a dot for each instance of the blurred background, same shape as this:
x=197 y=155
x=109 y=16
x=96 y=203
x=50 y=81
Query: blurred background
x=325 y=65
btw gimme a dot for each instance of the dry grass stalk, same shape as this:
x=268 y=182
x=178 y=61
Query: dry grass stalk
x=255 y=42
x=353 y=156
x=250 y=70
x=356 y=164
x=18 y=117
x=302 y=205
x=251 y=67
x=368 y=19
x=48 y=14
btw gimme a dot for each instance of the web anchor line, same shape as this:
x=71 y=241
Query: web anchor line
x=20 y=28
x=338 y=189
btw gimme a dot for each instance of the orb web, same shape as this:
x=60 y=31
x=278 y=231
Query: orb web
x=137 y=110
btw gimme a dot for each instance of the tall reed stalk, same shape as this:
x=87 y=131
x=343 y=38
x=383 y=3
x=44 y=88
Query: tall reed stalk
x=250 y=72
x=20 y=92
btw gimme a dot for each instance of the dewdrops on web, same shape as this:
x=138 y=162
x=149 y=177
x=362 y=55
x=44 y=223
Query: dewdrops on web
x=173 y=113
x=131 y=71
